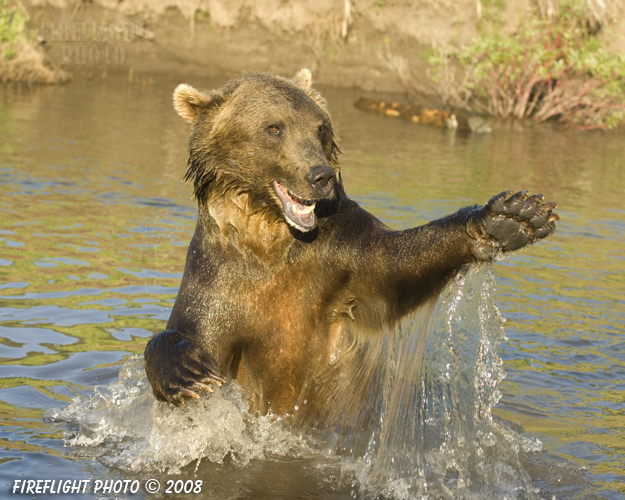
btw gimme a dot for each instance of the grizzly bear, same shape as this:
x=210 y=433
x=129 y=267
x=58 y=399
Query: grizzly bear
x=284 y=272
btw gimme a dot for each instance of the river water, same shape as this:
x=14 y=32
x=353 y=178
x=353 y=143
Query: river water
x=525 y=389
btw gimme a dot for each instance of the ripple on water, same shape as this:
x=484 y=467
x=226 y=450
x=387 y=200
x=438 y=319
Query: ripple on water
x=430 y=435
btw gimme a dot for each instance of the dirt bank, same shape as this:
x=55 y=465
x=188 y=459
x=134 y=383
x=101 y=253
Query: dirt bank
x=340 y=40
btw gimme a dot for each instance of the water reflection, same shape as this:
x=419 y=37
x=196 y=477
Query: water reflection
x=94 y=223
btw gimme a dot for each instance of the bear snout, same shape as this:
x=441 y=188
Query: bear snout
x=321 y=179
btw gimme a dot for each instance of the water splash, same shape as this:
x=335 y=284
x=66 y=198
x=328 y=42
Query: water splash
x=425 y=429
x=435 y=436
x=127 y=429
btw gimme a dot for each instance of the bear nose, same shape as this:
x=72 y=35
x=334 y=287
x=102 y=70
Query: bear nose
x=320 y=177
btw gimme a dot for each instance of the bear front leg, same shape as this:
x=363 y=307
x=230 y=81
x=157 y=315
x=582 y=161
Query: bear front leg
x=178 y=370
x=510 y=223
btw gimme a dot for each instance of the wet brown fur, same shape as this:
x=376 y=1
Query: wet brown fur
x=282 y=310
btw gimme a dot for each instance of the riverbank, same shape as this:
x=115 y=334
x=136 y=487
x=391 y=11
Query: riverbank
x=346 y=43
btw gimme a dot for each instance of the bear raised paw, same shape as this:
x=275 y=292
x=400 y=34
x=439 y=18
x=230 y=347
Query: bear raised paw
x=284 y=272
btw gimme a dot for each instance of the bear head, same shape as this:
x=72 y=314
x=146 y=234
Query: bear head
x=264 y=136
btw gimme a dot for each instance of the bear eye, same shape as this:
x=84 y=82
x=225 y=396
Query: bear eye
x=274 y=129
x=321 y=131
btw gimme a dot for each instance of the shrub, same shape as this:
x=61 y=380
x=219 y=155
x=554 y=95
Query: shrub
x=12 y=27
x=550 y=69
x=21 y=58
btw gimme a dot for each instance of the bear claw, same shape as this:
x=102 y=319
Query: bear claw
x=188 y=393
x=512 y=222
x=514 y=204
x=530 y=206
x=183 y=373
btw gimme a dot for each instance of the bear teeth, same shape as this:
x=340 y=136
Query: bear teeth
x=298 y=213
x=297 y=199
x=303 y=209
x=305 y=206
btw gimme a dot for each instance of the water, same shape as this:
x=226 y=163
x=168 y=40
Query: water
x=413 y=445
x=94 y=224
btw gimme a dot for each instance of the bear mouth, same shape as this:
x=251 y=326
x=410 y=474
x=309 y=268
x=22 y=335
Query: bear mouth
x=298 y=212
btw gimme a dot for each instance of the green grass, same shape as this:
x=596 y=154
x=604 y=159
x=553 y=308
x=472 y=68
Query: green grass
x=550 y=69
x=12 y=26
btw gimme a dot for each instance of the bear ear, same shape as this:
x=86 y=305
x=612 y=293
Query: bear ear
x=189 y=102
x=303 y=79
